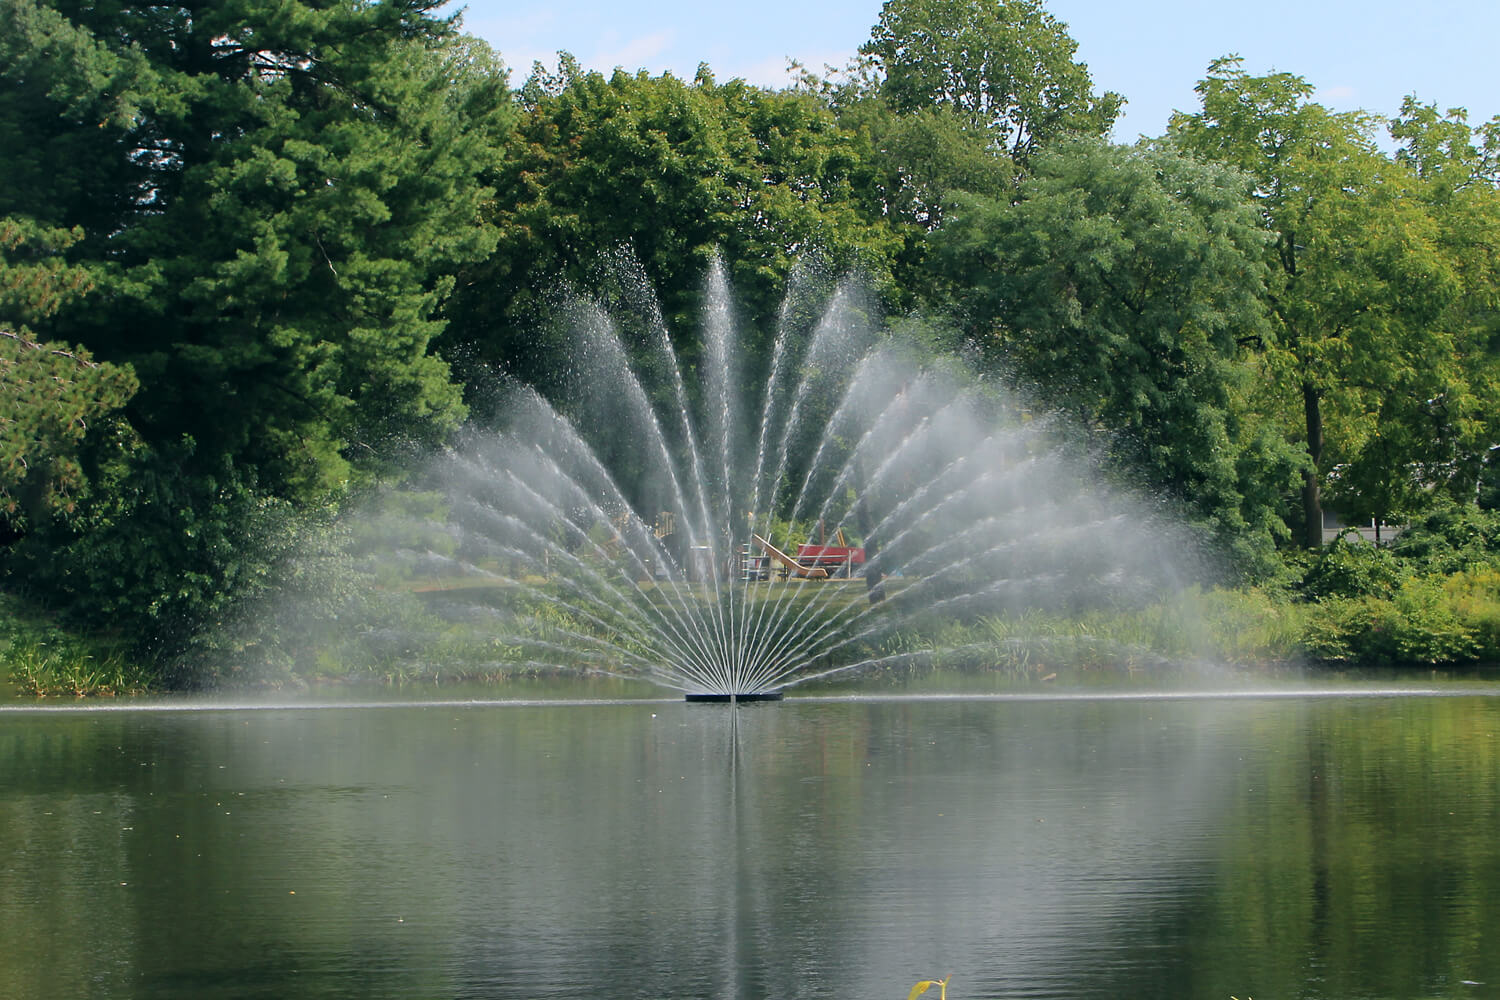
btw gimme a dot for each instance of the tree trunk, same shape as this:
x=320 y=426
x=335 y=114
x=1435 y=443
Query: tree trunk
x=1312 y=500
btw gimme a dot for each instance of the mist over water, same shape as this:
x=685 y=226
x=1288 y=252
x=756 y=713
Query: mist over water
x=653 y=518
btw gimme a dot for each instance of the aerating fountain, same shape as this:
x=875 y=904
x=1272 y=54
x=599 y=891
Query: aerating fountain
x=730 y=529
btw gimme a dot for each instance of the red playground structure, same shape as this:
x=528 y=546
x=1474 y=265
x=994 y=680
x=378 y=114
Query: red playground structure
x=812 y=562
x=838 y=559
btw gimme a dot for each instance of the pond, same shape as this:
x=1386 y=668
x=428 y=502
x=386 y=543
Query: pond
x=1304 y=845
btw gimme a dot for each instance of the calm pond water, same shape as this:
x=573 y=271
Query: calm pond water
x=1309 y=846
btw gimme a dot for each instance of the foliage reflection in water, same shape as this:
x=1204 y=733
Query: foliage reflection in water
x=1084 y=849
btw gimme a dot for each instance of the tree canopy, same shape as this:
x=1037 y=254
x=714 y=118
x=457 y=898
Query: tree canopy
x=679 y=172
x=1121 y=285
x=269 y=202
x=272 y=198
x=1006 y=65
x=1364 y=286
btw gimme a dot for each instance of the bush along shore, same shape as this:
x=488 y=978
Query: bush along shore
x=1429 y=600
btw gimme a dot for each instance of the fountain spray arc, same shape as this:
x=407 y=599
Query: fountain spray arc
x=667 y=518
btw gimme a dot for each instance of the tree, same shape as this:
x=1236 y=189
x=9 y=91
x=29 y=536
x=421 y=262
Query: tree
x=1124 y=285
x=52 y=396
x=678 y=172
x=273 y=198
x=1359 y=283
x=1456 y=414
x=1441 y=146
x=270 y=201
x=914 y=164
x=1005 y=65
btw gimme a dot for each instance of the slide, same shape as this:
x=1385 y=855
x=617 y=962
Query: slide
x=792 y=565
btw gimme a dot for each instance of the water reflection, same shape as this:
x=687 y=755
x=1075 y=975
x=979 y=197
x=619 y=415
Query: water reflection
x=1308 y=847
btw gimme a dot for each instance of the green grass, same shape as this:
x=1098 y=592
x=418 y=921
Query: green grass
x=1439 y=621
x=71 y=671
x=41 y=660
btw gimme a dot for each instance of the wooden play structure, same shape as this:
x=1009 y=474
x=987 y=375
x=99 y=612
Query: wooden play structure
x=812 y=562
x=790 y=565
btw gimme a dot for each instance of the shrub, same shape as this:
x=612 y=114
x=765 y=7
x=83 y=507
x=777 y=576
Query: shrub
x=1475 y=598
x=1352 y=568
x=1451 y=540
x=1427 y=628
x=1337 y=628
x=1427 y=621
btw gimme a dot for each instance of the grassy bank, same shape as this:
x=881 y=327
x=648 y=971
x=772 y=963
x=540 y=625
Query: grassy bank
x=1430 y=602
x=1447 y=623
x=1429 y=622
x=39 y=658
x=1450 y=623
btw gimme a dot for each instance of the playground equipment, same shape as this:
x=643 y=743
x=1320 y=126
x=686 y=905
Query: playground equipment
x=839 y=559
x=812 y=562
x=790 y=565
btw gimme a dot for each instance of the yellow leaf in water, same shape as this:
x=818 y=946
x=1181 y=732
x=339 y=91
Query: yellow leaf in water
x=928 y=984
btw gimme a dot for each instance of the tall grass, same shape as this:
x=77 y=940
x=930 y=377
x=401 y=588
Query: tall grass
x=45 y=661
x=68 y=670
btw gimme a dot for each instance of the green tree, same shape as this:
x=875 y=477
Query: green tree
x=1360 y=282
x=1005 y=65
x=273 y=199
x=916 y=158
x=52 y=396
x=1124 y=285
x=915 y=164
x=1429 y=422
x=678 y=172
x=1442 y=145
x=1454 y=414
x=270 y=200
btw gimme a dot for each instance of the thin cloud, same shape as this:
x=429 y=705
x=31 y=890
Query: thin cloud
x=643 y=52
x=521 y=29
x=770 y=72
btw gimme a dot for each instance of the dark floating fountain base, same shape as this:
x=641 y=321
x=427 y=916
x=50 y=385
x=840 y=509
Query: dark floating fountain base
x=715 y=696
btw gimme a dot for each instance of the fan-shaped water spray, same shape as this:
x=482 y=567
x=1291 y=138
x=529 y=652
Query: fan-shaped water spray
x=673 y=519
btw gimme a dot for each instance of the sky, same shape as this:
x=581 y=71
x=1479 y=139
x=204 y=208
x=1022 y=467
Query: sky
x=1365 y=54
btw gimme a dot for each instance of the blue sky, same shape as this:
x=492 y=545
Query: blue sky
x=1358 y=53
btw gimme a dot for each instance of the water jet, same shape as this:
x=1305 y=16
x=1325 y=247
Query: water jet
x=729 y=530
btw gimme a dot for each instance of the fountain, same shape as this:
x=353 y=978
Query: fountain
x=729 y=535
